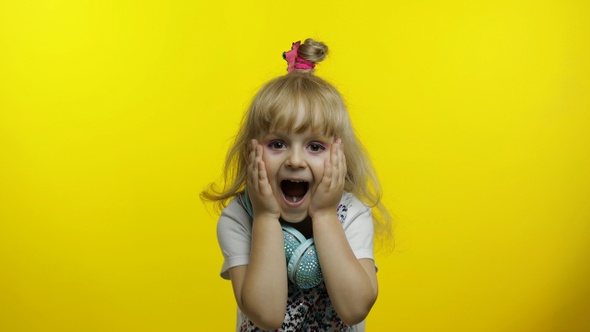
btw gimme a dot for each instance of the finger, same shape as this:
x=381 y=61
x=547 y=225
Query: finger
x=258 y=161
x=253 y=165
x=264 y=186
x=335 y=162
x=342 y=163
x=336 y=157
x=252 y=150
x=328 y=170
x=344 y=168
x=261 y=171
x=259 y=151
x=251 y=154
x=261 y=175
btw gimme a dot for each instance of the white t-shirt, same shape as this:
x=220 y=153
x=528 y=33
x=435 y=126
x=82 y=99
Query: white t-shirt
x=234 y=233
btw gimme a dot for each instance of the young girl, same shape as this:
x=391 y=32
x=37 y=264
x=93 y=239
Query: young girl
x=297 y=233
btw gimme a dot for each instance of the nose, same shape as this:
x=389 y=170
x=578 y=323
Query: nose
x=295 y=159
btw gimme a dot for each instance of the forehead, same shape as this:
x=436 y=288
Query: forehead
x=302 y=117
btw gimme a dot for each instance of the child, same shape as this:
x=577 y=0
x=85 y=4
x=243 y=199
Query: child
x=297 y=234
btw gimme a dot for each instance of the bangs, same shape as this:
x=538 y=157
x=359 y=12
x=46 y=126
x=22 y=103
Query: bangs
x=302 y=114
x=297 y=104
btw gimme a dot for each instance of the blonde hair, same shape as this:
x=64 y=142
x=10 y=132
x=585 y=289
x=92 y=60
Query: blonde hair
x=279 y=105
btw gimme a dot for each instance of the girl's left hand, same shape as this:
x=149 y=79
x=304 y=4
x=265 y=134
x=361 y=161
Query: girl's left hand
x=328 y=194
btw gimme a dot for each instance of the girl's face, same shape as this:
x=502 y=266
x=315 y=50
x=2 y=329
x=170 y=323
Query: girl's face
x=295 y=166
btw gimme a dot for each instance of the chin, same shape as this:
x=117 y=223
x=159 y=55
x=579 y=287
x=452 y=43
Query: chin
x=294 y=217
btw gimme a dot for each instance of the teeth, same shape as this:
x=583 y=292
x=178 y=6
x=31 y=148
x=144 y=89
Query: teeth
x=294 y=199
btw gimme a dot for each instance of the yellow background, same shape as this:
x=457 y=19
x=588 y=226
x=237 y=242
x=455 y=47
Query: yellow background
x=114 y=115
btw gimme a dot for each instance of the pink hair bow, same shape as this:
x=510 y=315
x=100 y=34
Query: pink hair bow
x=296 y=62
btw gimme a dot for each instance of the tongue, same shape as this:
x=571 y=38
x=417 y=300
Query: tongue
x=294 y=189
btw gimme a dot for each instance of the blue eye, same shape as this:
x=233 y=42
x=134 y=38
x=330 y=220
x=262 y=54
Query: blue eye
x=316 y=147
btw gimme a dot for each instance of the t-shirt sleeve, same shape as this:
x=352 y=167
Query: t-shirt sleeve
x=234 y=230
x=358 y=227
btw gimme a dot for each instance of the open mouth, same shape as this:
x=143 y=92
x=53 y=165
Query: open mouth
x=294 y=190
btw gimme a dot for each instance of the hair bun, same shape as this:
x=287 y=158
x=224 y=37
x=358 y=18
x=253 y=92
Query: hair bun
x=312 y=50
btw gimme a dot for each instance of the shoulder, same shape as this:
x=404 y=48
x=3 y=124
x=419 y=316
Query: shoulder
x=234 y=234
x=351 y=209
x=357 y=221
x=236 y=208
x=234 y=217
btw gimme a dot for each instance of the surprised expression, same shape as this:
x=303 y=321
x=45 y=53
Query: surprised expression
x=295 y=166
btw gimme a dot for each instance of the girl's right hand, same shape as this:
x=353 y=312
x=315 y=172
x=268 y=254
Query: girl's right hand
x=260 y=192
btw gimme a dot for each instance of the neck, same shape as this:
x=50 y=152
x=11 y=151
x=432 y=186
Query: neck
x=304 y=227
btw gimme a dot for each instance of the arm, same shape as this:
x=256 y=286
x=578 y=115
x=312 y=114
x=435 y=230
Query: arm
x=351 y=283
x=260 y=288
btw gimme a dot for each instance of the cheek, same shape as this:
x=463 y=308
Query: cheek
x=271 y=164
x=318 y=168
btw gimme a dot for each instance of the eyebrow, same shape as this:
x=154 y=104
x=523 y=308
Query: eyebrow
x=312 y=136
